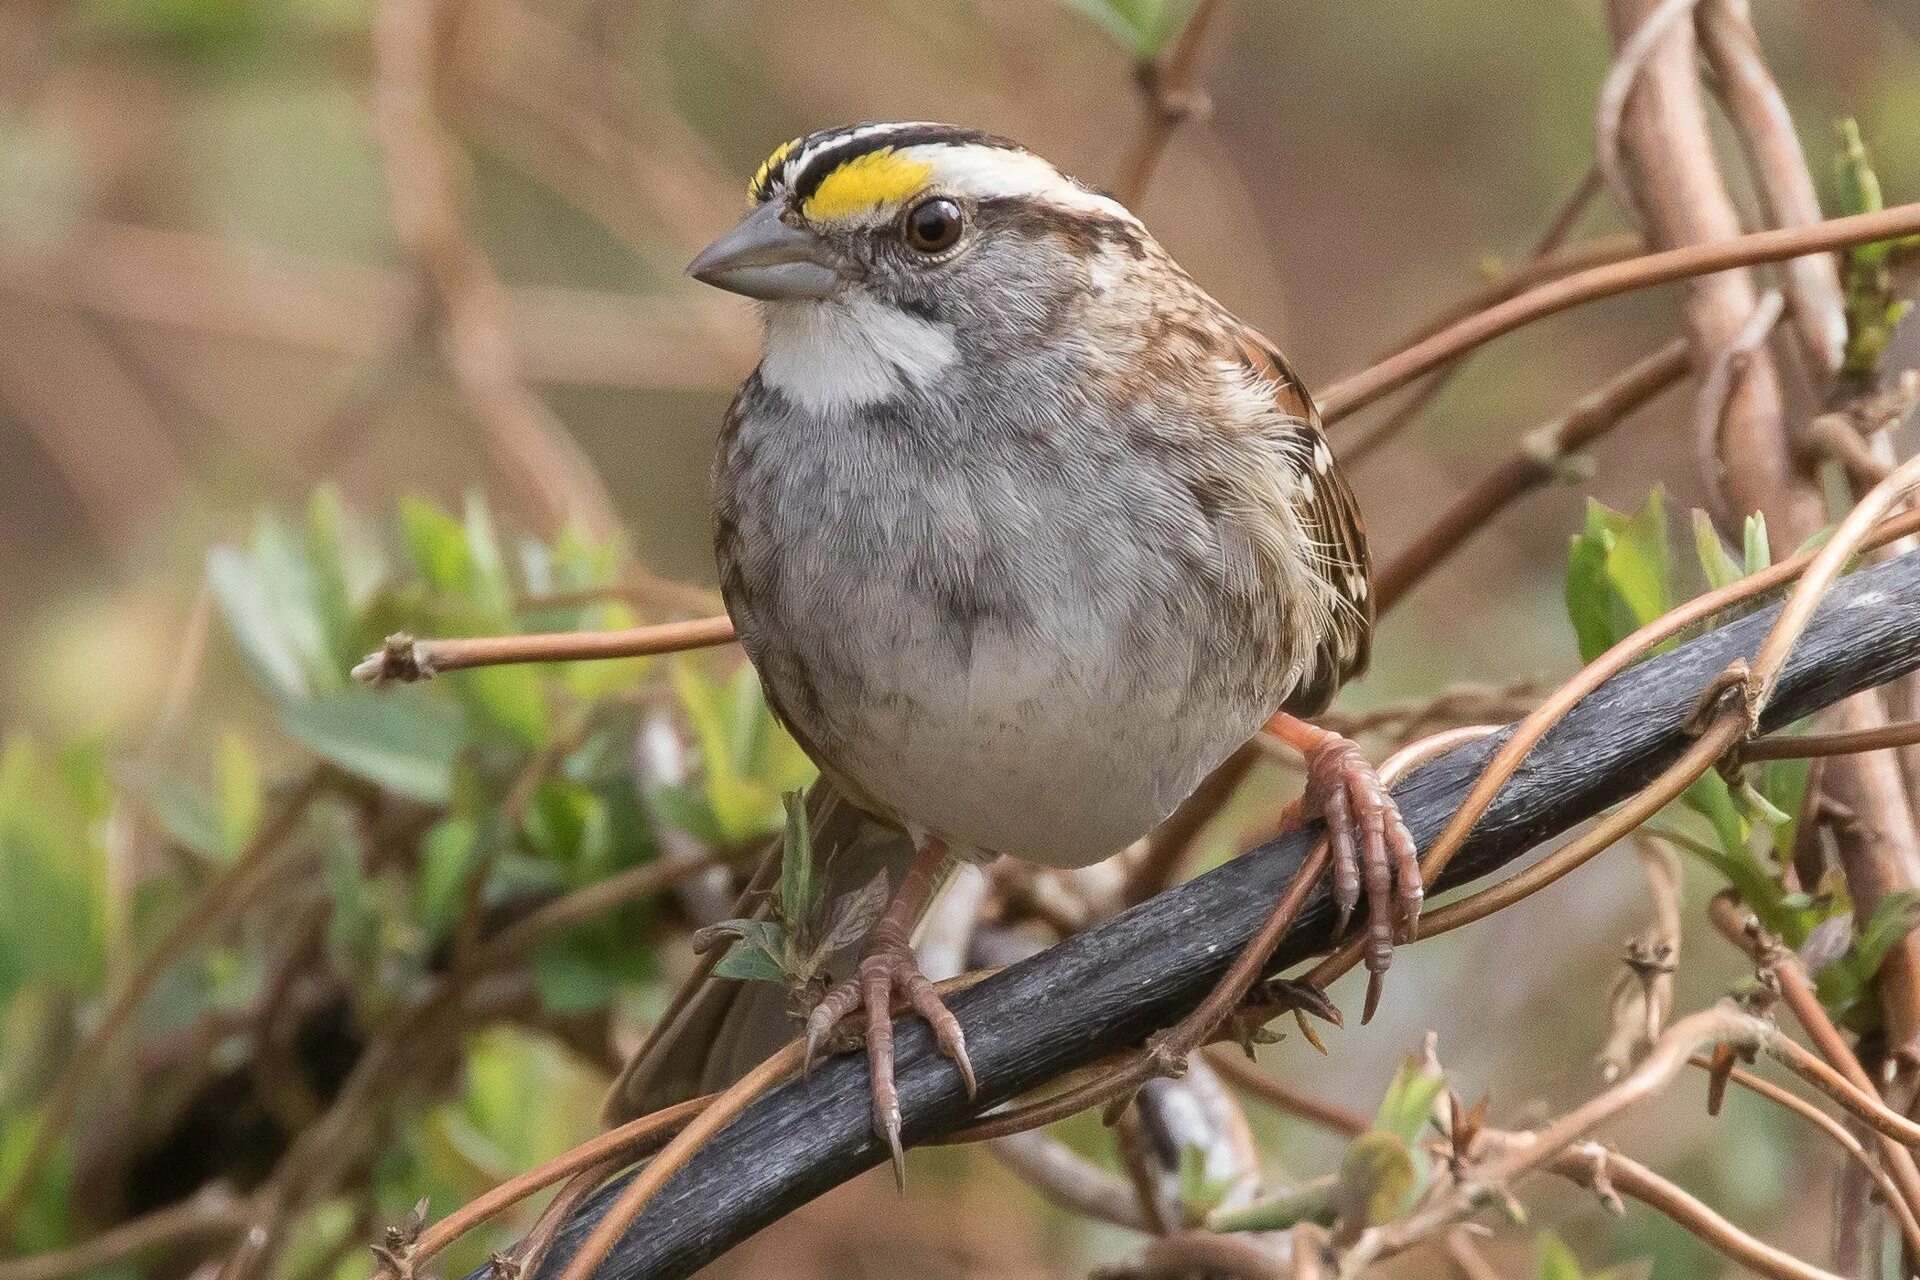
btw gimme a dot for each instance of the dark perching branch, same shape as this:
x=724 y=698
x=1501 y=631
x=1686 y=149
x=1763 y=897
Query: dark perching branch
x=1108 y=988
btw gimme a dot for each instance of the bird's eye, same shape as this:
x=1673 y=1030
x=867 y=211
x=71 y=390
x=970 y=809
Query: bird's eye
x=933 y=225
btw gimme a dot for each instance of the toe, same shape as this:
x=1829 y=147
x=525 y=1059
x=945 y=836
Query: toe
x=1376 y=867
x=946 y=1028
x=876 y=994
x=1409 y=885
x=1338 y=816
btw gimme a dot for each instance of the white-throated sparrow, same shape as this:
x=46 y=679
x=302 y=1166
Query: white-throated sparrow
x=1024 y=532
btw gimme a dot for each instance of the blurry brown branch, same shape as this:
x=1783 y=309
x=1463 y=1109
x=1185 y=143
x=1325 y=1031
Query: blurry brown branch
x=214 y=1212
x=1608 y=1173
x=1542 y=457
x=72 y=393
x=249 y=294
x=1170 y=99
x=1066 y=1180
x=1191 y=1253
x=529 y=444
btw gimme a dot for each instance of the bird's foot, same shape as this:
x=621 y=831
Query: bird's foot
x=889 y=969
x=1373 y=854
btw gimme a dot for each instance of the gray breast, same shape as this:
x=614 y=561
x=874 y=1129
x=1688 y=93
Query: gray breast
x=1031 y=641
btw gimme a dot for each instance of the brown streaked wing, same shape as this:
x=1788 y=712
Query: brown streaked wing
x=1332 y=518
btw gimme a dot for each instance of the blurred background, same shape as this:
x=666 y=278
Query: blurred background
x=208 y=312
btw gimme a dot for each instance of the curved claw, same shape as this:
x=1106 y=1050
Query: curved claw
x=1372 y=851
x=889 y=968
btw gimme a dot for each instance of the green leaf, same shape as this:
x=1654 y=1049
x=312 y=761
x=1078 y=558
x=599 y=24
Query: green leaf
x=187 y=813
x=1757 y=550
x=1143 y=27
x=1619 y=574
x=446 y=852
x=798 y=892
x=489 y=586
x=749 y=962
x=1589 y=594
x=438 y=546
x=1555 y=1260
x=565 y=821
x=1311 y=1202
x=684 y=805
x=253 y=618
x=1408 y=1104
x=402 y=739
x=572 y=980
x=242 y=794
x=1376 y=1180
x=290 y=577
x=343 y=576
x=1640 y=564
x=1715 y=560
x=508 y=699
x=53 y=878
x=1894 y=917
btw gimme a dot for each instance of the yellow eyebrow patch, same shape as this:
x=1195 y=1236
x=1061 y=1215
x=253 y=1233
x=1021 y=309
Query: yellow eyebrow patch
x=866 y=182
x=757 y=188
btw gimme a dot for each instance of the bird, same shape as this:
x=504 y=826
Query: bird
x=1025 y=534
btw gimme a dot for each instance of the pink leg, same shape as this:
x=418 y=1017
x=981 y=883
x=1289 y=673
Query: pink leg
x=1372 y=851
x=889 y=967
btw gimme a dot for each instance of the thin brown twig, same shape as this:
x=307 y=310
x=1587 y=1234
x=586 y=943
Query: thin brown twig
x=1610 y=281
x=405 y=659
x=634 y=1196
x=1609 y=1173
x=1760 y=119
x=1468 y=1262
x=1247 y=1076
x=1490 y=1177
x=1904 y=733
x=1855 y=1149
x=1797 y=992
x=625 y=1142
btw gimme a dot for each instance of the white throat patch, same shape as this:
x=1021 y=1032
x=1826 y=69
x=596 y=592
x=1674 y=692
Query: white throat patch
x=850 y=351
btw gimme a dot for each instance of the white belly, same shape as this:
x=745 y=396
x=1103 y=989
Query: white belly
x=1041 y=752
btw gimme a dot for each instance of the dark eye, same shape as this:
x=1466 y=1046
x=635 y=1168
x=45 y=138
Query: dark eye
x=933 y=225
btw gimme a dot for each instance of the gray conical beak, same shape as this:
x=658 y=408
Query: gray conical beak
x=765 y=258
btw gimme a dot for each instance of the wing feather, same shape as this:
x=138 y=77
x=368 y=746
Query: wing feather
x=1330 y=517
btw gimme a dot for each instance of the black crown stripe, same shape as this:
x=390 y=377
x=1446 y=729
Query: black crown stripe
x=823 y=153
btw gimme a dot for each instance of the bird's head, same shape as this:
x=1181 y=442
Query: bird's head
x=899 y=242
